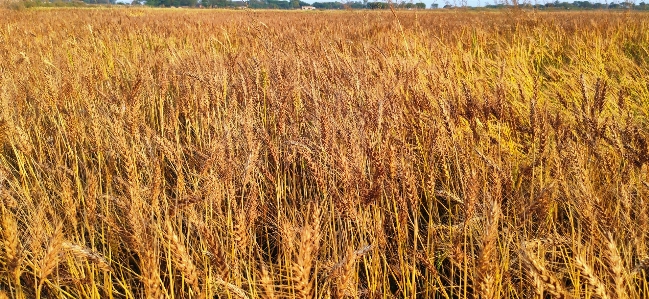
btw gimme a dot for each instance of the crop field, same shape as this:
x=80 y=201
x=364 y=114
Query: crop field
x=186 y=153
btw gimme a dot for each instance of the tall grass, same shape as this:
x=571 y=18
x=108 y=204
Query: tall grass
x=194 y=154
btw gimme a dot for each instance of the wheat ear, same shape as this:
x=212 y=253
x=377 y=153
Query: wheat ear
x=488 y=256
x=593 y=280
x=642 y=265
x=10 y=236
x=216 y=255
x=309 y=242
x=184 y=260
x=151 y=275
x=345 y=275
x=232 y=288
x=11 y=243
x=302 y=266
x=617 y=268
x=88 y=254
x=268 y=284
x=544 y=280
x=51 y=259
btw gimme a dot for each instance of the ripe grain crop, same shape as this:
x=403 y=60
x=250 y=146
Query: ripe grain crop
x=180 y=153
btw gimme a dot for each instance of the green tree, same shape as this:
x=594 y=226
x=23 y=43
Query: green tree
x=377 y=5
x=220 y=3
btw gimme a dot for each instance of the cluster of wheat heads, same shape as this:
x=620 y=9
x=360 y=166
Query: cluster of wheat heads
x=215 y=154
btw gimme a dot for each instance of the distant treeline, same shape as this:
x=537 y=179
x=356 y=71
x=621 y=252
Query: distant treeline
x=297 y=4
x=582 y=5
x=275 y=4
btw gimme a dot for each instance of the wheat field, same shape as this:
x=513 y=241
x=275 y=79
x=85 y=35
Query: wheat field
x=151 y=153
